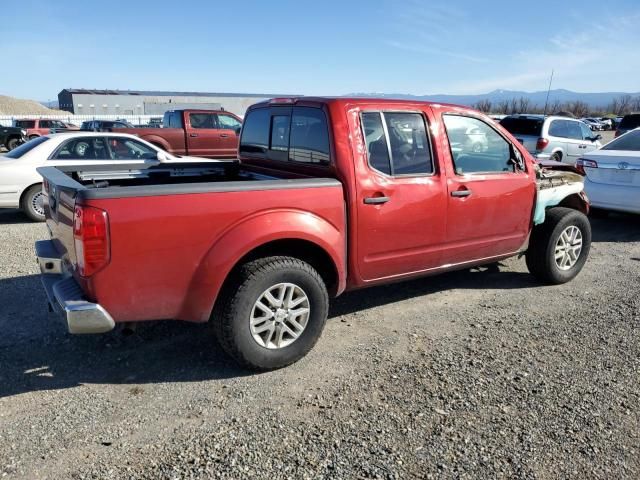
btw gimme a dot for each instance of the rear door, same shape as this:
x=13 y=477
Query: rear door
x=557 y=134
x=526 y=130
x=401 y=194
x=489 y=200
x=575 y=142
x=203 y=135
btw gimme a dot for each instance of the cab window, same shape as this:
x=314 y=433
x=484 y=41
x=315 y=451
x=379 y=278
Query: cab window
x=476 y=147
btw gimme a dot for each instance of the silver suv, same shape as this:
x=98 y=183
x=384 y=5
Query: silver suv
x=552 y=138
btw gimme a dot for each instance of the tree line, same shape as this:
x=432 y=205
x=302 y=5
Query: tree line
x=619 y=106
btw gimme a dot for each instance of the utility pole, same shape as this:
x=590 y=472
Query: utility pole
x=546 y=102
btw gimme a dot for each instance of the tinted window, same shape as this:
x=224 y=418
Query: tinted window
x=45 y=124
x=629 y=122
x=173 y=120
x=376 y=142
x=309 y=136
x=558 y=128
x=255 y=132
x=202 y=120
x=476 y=147
x=83 y=148
x=279 y=132
x=25 y=147
x=228 y=122
x=25 y=123
x=630 y=141
x=523 y=125
x=573 y=130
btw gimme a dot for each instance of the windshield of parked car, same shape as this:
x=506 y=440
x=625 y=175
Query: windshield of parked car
x=523 y=125
x=629 y=122
x=630 y=141
x=25 y=147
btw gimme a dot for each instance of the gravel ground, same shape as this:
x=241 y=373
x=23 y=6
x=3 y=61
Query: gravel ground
x=475 y=374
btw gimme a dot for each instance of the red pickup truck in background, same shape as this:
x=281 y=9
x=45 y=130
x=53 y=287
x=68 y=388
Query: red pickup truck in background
x=197 y=133
x=328 y=195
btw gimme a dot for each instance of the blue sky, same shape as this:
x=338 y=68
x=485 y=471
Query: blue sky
x=322 y=47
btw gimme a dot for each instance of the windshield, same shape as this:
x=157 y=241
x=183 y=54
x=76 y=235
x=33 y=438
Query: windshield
x=26 y=147
x=630 y=141
x=523 y=126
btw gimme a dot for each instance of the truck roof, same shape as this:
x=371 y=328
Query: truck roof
x=350 y=101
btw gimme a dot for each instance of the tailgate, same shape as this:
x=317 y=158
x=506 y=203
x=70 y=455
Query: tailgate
x=528 y=141
x=59 y=202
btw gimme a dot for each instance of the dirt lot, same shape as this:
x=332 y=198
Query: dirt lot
x=475 y=374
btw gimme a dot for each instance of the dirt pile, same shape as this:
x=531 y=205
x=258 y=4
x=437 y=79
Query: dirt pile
x=17 y=106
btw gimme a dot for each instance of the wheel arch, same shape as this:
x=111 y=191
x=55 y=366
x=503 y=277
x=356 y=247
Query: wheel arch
x=287 y=233
x=25 y=190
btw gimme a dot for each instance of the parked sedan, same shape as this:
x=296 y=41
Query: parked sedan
x=613 y=174
x=21 y=185
x=594 y=124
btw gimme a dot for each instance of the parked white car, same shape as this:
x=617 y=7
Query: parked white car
x=21 y=185
x=613 y=174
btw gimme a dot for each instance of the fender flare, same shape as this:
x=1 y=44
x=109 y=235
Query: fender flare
x=250 y=233
x=156 y=140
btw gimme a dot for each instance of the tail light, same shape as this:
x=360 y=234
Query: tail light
x=542 y=143
x=617 y=134
x=91 y=239
x=582 y=163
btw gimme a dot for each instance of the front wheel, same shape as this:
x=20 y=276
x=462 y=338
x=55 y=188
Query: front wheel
x=273 y=312
x=12 y=143
x=558 y=249
x=32 y=203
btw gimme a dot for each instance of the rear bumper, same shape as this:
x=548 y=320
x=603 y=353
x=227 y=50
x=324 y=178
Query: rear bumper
x=622 y=198
x=66 y=297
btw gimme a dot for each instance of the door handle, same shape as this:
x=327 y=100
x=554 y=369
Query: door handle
x=193 y=134
x=376 y=200
x=461 y=193
x=224 y=135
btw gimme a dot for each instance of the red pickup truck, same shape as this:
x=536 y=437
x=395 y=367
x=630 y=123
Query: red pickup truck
x=328 y=195
x=197 y=133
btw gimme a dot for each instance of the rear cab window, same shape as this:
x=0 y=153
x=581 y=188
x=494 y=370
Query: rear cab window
x=25 y=123
x=296 y=135
x=629 y=122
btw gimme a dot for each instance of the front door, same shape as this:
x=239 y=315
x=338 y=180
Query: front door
x=401 y=199
x=229 y=131
x=203 y=135
x=490 y=199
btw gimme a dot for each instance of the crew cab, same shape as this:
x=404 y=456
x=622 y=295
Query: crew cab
x=327 y=195
x=42 y=126
x=200 y=133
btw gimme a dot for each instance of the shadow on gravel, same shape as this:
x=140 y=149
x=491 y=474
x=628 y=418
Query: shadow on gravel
x=12 y=216
x=616 y=227
x=36 y=353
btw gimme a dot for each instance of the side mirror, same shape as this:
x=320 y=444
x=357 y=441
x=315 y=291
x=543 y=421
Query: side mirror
x=598 y=137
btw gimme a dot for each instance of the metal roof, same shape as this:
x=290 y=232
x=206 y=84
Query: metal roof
x=163 y=93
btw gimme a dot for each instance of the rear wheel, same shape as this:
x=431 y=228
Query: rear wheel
x=558 y=249
x=273 y=312
x=12 y=143
x=32 y=203
x=556 y=157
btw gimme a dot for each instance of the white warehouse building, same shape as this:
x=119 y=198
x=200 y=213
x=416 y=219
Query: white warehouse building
x=81 y=101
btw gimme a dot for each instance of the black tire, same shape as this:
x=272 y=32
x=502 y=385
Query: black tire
x=540 y=256
x=28 y=206
x=556 y=157
x=12 y=143
x=231 y=319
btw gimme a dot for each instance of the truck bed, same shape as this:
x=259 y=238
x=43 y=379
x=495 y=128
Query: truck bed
x=181 y=230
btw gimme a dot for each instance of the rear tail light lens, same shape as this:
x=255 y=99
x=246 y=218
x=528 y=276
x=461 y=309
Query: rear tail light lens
x=542 y=143
x=91 y=239
x=582 y=163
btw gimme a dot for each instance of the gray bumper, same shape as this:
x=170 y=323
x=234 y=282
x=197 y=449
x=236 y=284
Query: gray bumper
x=66 y=297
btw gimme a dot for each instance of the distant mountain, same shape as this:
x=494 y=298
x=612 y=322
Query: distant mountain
x=599 y=99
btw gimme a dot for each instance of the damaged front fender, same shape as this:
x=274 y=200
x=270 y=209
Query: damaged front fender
x=556 y=186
